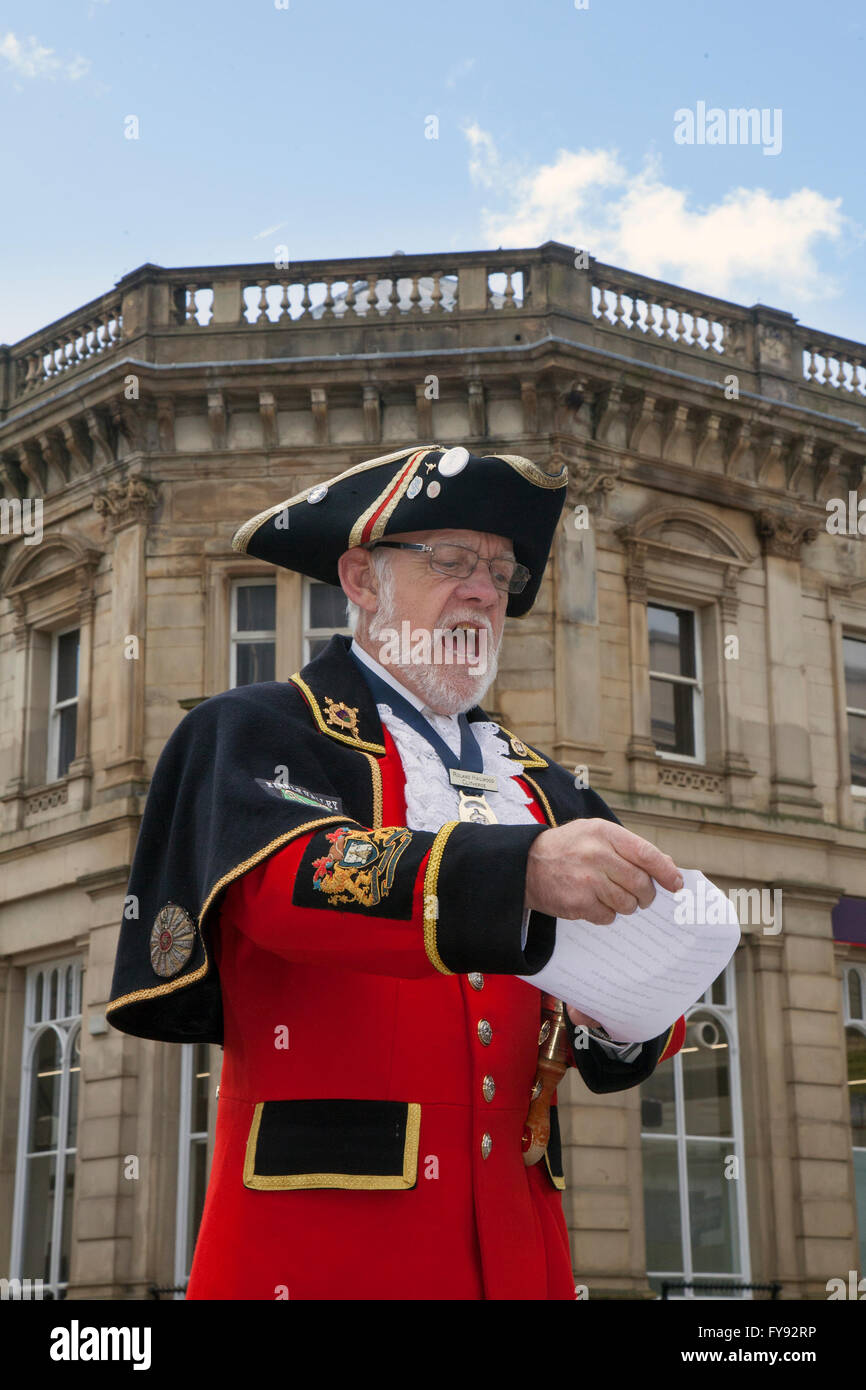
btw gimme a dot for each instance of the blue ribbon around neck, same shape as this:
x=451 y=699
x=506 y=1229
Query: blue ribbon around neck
x=471 y=758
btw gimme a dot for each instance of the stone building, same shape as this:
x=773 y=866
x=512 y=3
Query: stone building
x=698 y=650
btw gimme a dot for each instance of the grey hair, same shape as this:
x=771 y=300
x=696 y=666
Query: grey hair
x=384 y=579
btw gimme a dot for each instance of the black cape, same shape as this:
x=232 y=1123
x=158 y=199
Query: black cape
x=244 y=773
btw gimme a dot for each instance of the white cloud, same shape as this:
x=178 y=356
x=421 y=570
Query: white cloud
x=748 y=244
x=269 y=231
x=30 y=58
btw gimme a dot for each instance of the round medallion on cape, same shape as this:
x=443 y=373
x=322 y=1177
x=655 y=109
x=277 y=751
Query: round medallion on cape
x=172 y=938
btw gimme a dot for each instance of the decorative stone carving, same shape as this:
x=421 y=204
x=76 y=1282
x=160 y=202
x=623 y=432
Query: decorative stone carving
x=123 y=503
x=690 y=778
x=784 y=534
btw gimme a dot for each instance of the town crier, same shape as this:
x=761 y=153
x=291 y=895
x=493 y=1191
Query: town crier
x=342 y=877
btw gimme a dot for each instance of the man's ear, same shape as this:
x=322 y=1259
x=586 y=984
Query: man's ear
x=358 y=578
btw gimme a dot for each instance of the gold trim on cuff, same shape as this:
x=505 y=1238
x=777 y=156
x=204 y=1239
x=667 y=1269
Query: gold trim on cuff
x=278 y=1182
x=431 y=901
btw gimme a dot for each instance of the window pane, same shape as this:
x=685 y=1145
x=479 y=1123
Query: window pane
x=66 y=1228
x=200 y=1084
x=68 y=721
x=67 y=666
x=855 y=994
x=706 y=1076
x=672 y=640
x=720 y=990
x=854 y=655
x=74 y=1074
x=318 y=644
x=664 y=1245
x=256 y=661
x=197 y=1189
x=672 y=717
x=712 y=1209
x=45 y=1093
x=857 y=748
x=39 y=1214
x=257 y=607
x=327 y=606
x=857 y=1086
x=657 y=1112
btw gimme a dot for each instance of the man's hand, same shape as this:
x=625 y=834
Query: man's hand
x=593 y=869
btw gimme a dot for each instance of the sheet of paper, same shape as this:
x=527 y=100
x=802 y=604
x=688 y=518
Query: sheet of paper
x=639 y=974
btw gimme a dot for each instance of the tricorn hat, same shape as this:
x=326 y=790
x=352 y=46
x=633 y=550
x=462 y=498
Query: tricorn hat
x=423 y=488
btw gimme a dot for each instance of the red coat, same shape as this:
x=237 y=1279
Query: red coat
x=328 y=1006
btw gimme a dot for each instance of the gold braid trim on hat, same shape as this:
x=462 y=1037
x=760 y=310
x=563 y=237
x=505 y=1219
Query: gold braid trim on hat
x=247 y=529
x=533 y=473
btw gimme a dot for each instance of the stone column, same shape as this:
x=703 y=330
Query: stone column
x=13 y=793
x=577 y=646
x=641 y=749
x=126 y=506
x=739 y=774
x=792 y=788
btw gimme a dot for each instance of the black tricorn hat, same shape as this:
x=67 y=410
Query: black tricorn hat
x=423 y=488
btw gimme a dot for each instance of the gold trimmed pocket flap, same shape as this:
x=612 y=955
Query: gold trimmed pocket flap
x=356 y=1144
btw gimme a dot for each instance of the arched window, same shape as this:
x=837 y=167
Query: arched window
x=48 y=1127
x=693 y=1159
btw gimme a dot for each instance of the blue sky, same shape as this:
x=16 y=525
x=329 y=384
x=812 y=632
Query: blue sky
x=261 y=126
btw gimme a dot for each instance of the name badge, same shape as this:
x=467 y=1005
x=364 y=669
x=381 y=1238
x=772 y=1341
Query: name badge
x=461 y=778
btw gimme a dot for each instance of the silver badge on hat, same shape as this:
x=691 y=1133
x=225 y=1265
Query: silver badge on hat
x=317 y=494
x=454 y=461
x=434 y=488
x=414 y=487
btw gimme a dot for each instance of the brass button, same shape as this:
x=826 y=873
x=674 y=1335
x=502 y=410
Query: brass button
x=544 y=1032
x=485 y=1032
x=476 y=979
x=488 y=1086
x=486 y=1145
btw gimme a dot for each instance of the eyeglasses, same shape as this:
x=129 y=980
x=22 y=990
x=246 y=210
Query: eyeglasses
x=459 y=561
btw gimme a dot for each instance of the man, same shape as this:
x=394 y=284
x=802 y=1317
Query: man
x=340 y=877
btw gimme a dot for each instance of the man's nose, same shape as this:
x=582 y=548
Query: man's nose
x=479 y=586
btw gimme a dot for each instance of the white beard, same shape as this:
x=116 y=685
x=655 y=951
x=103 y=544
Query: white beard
x=445 y=689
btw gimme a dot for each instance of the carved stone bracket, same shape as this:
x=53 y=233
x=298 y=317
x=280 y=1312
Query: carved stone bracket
x=268 y=417
x=103 y=453
x=372 y=409
x=80 y=462
x=588 y=484
x=217 y=419
x=165 y=423
x=477 y=427
x=319 y=407
x=123 y=503
x=783 y=534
